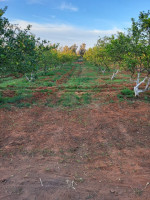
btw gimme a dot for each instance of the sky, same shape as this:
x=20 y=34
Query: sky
x=69 y=22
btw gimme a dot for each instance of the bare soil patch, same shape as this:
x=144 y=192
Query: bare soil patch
x=97 y=152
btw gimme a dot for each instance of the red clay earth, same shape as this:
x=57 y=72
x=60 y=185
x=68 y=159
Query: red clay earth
x=95 y=152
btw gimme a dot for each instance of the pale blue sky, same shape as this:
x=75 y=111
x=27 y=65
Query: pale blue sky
x=74 y=21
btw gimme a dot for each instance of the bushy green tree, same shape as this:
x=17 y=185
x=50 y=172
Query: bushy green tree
x=24 y=54
x=48 y=56
x=18 y=51
x=137 y=58
x=6 y=35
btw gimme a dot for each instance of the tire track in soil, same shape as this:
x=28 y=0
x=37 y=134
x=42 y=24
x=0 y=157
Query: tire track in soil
x=62 y=80
x=65 y=77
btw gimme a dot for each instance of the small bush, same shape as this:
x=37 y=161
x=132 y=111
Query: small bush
x=14 y=99
x=50 y=84
x=147 y=99
x=2 y=100
x=126 y=93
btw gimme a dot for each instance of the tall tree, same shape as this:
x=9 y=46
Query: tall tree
x=82 y=49
x=73 y=48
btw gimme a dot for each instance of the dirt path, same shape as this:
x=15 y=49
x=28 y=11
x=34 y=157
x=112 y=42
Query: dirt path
x=97 y=152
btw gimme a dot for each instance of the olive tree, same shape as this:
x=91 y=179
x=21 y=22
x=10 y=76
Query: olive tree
x=6 y=35
x=138 y=56
x=116 y=48
x=18 y=49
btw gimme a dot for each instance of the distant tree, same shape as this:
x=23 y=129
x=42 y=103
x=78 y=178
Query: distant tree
x=65 y=49
x=48 y=55
x=66 y=55
x=98 y=55
x=82 y=49
x=6 y=35
x=73 y=48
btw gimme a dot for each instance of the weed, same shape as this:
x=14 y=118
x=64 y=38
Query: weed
x=79 y=179
x=21 y=105
x=49 y=103
x=138 y=191
x=6 y=106
x=69 y=100
x=111 y=101
x=104 y=154
x=47 y=169
x=91 y=196
x=86 y=98
x=50 y=84
x=44 y=90
x=61 y=151
x=48 y=152
x=147 y=99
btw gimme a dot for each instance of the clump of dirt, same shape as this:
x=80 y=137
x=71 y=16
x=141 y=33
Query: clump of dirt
x=97 y=152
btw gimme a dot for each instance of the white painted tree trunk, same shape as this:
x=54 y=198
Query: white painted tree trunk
x=103 y=71
x=114 y=74
x=31 y=78
x=138 y=83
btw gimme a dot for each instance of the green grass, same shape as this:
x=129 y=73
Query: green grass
x=77 y=88
x=109 y=81
x=70 y=99
x=6 y=79
x=87 y=78
x=14 y=99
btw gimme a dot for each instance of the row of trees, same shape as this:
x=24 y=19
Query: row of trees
x=129 y=51
x=22 y=53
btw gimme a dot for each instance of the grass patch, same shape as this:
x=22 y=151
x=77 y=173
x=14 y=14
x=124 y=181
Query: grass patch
x=21 y=105
x=78 y=83
x=6 y=106
x=69 y=100
x=14 y=100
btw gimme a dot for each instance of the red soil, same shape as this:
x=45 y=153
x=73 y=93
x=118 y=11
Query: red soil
x=97 y=152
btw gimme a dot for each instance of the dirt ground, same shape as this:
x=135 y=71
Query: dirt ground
x=99 y=152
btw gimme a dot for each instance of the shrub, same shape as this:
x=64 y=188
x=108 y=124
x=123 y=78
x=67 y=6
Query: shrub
x=127 y=92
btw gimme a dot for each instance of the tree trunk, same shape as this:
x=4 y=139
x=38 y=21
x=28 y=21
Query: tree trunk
x=138 y=83
x=114 y=74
